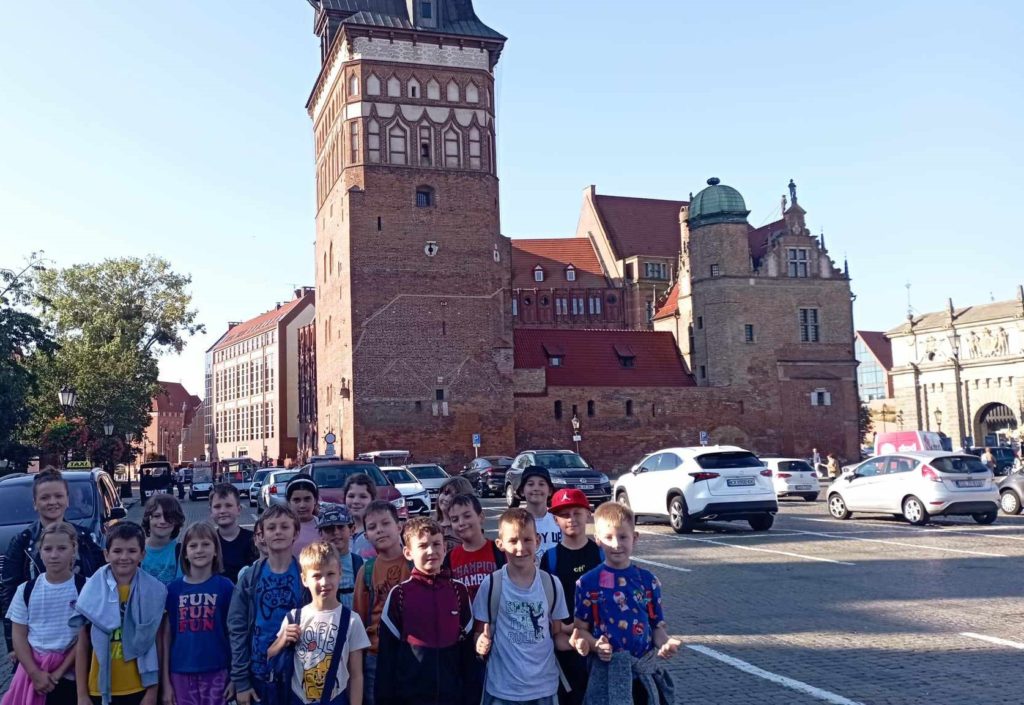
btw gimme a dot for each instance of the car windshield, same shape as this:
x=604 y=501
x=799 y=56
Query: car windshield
x=958 y=463
x=794 y=466
x=429 y=472
x=16 y=502
x=334 y=476
x=260 y=474
x=557 y=461
x=724 y=461
x=499 y=461
x=399 y=475
x=284 y=476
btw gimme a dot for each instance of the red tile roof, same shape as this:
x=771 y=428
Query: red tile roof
x=554 y=254
x=260 y=324
x=592 y=357
x=671 y=303
x=760 y=238
x=879 y=345
x=171 y=396
x=641 y=226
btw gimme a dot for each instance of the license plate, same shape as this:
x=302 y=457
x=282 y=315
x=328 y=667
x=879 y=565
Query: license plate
x=970 y=483
x=586 y=487
x=803 y=487
x=740 y=482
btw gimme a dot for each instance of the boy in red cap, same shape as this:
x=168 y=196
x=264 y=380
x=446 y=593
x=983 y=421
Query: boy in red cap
x=573 y=556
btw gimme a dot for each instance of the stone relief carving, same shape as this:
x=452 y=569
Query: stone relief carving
x=989 y=344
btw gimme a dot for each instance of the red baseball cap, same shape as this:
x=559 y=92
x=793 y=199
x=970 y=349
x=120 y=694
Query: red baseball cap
x=567 y=499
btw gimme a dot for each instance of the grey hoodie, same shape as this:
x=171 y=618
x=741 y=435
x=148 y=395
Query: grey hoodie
x=611 y=683
x=100 y=605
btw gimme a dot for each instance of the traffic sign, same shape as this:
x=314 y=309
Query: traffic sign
x=577 y=438
x=704 y=438
x=476 y=440
x=330 y=438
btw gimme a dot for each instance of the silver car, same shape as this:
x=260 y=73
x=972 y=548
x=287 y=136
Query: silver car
x=272 y=491
x=257 y=481
x=918 y=486
x=431 y=476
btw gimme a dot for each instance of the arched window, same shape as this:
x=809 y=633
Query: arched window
x=373 y=85
x=474 y=148
x=414 y=88
x=570 y=273
x=453 y=92
x=373 y=140
x=398 y=145
x=394 y=87
x=353 y=85
x=452 y=148
x=433 y=90
x=426 y=145
x=472 y=93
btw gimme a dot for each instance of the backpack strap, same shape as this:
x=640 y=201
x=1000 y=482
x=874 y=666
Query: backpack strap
x=494 y=597
x=336 y=655
x=368 y=582
x=549 y=561
x=357 y=563
x=29 y=587
x=499 y=556
x=551 y=595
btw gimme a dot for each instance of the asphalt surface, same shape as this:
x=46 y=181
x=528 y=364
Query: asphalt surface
x=869 y=611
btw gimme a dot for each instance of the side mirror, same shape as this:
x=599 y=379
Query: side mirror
x=641 y=469
x=851 y=476
x=117 y=514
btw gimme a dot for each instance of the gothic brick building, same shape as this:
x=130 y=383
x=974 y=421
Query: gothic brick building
x=431 y=326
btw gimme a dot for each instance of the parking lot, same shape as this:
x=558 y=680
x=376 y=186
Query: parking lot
x=869 y=610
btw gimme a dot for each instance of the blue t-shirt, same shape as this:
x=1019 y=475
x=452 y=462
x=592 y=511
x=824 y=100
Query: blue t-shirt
x=274 y=595
x=197 y=615
x=624 y=605
x=162 y=563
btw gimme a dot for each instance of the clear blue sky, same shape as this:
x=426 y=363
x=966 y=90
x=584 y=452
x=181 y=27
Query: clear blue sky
x=129 y=128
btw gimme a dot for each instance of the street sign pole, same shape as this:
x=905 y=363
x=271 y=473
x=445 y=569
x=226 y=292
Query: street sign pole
x=476 y=445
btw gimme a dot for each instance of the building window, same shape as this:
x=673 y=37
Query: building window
x=591 y=408
x=453 y=92
x=427 y=9
x=700 y=322
x=426 y=145
x=809 y=327
x=570 y=273
x=655 y=270
x=414 y=88
x=372 y=85
x=439 y=395
x=629 y=275
x=424 y=197
x=561 y=306
x=595 y=305
x=797 y=262
x=515 y=307
x=716 y=271
x=451 y=148
x=627 y=361
x=474 y=149
x=555 y=360
x=703 y=371
x=397 y=148
x=629 y=407
x=558 y=409
x=354 y=143
x=538 y=273
x=373 y=140
x=748 y=333
x=353 y=85
x=649 y=306
x=577 y=306
x=821 y=397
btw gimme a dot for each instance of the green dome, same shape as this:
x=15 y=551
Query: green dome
x=717 y=204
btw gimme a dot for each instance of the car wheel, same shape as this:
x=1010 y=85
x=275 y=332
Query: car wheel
x=622 y=498
x=837 y=507
x=811 y=497
x=986 y=518
x=677 y=517
x=761 y=522
x=914 y=511
x=1009 y=502
x=510 y=496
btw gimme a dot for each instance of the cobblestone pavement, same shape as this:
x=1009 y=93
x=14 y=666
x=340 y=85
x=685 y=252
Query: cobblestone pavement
x=869 y=611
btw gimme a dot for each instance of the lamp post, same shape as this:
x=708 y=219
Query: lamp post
x=938 y=419
x=954 y=344
x=68 y=398
x=108 y=431
x=576 y=437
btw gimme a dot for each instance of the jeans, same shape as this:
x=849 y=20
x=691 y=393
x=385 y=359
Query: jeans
x=369 y=677
x=491 y=700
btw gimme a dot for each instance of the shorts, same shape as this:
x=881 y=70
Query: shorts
x=491 y=700
x=199 y=688
x=342 y=699
x=133 y=699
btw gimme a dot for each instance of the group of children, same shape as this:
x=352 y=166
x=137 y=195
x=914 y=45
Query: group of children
x=342 y=604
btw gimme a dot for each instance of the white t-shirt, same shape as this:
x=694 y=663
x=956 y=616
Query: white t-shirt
x=47 y=615
x=314 y=648
x=521 y=665
x=548 y=534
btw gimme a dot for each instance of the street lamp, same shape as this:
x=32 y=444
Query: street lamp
x=108 y=428
x=938 y=419
x=954 y=344
x=576 y=432
x=68 y=398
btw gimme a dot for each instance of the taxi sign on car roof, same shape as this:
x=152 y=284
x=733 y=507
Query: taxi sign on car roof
x=79 y=465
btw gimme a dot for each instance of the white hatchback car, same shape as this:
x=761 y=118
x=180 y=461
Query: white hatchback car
x=917 y=485
x=793 y=477
x=692 y=485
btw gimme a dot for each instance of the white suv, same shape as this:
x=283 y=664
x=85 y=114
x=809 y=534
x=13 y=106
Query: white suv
x=691 y=485
x=917 y=485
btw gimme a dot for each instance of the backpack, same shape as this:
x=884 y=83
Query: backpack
x=283 y=665
x=494 y=604
x=357 y=563
x=368 y=581
x=31 y=585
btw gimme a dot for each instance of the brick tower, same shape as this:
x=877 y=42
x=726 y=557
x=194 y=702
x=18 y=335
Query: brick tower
x=414 y=343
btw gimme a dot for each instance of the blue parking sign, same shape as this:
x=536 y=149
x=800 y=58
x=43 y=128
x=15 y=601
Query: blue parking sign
x=476 y=440
x=704 y=438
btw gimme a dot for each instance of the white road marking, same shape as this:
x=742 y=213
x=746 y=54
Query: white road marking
x=901 y=543
x=662 y=565
x=749 y=548
x=790 y=683
x=994 y=640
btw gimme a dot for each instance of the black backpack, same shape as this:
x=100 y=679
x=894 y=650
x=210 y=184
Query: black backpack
x=31 y=585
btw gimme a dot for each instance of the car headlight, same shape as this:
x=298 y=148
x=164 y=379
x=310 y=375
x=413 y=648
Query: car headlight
x=605 y=480
x=558 y=481
x=399 y=503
